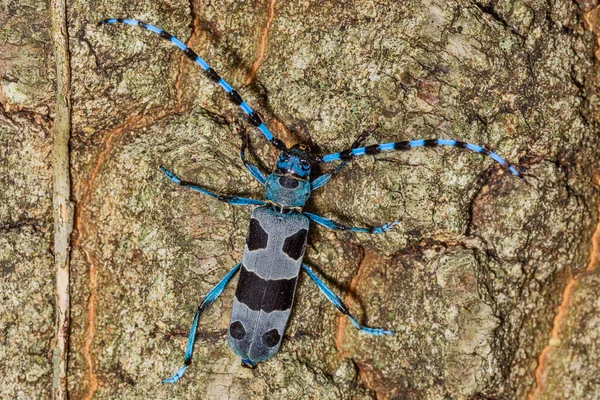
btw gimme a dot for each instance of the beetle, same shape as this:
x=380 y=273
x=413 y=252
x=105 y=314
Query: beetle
x=276 y=239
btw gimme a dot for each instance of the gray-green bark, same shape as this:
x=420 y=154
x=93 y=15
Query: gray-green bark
x=61 y=193
x=471 y=279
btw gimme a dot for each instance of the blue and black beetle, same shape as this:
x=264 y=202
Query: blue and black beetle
x=278 y=230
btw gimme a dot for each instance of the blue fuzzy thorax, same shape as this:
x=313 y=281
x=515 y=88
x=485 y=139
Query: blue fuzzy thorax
x=289 y=185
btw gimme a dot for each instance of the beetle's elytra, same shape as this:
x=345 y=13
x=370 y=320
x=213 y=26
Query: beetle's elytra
x=278 y=230
x=267 y=284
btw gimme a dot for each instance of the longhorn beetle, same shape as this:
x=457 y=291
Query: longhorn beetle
x=278 y=229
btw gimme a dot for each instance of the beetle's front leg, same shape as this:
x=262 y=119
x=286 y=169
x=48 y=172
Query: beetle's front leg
x=253 y=169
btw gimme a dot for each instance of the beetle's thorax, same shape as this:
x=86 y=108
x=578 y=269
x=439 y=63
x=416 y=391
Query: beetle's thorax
x=289 y=185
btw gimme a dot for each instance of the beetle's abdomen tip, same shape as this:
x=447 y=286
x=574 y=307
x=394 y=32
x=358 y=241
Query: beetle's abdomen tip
x=247 y=363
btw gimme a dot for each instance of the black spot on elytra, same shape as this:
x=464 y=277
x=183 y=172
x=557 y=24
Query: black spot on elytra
x=251 y=289
x=293 y=245
x=237 y=331
x=271 y=338
x=257 y=237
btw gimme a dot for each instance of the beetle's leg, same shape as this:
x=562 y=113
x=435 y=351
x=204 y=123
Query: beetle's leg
x=323 y=179
x=253 y=169
x=208 y=299
x=339 y=227
x=233 y=200
x=339 y=304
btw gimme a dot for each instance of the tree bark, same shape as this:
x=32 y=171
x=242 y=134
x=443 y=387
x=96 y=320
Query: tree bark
x=488 y=282
x=62 y=207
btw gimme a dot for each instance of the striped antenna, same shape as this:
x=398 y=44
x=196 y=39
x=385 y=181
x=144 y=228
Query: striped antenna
x=232 y=94
x=407 y=145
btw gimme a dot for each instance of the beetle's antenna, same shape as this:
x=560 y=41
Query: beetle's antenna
x=351 y=153
x=232 y=94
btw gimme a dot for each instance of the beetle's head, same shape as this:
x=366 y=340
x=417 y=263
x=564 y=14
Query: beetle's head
x=295 y=162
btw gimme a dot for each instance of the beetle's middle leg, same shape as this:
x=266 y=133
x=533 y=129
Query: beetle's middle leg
x=208 y=299
x=233 y=200
x=337 y=302
x=340 y=227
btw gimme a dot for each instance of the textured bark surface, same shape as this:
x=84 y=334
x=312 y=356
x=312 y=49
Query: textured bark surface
x=490 y=284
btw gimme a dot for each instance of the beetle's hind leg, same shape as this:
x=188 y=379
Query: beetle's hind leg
x=208 y=299
x=339 y=304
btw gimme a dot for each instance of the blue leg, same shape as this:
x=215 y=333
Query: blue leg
x=253 y=169
x=208 y=299
x=407 y=145
x=233 y=95
x=339 y=227
x=233 y=200
x=337 y=302
x=323 y=179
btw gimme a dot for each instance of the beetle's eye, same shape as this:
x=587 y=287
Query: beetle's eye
x=305 y=165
